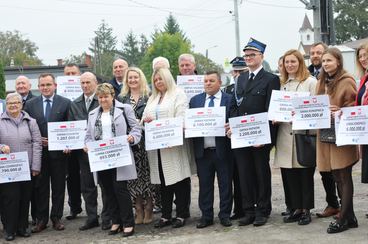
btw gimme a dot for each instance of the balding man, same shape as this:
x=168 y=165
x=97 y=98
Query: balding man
x=119 y=68
x=187 y=64
x=23 y=87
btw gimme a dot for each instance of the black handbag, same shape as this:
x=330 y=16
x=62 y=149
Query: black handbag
x=306 y=149
x=328 y=135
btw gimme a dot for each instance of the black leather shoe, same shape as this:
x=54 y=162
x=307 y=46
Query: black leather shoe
x=9 y=237
x=204 y=223
x=225 y=222
x=73 y=215
x=353 y=223
x=260 y=220
x=162 y=223
x=237 y=216
x=128 y=233
x=89 y=225
x=178 y=222
x=105 y=225
x=287 y=212
x=305 y=219
x=336 y=227
x=294 y=217
x=23 y=233
x=247 y=220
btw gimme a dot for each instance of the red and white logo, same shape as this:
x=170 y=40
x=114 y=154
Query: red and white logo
x=306 y=101
x=243 y=121
x=12 y=156
x=112 y=142
x=62 y=127
x=314 y=100
x=252 y=119
x=103 y=145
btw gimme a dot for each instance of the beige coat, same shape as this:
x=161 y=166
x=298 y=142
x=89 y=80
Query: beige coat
x=329 y=156
x=285 y=156
x=176 y=161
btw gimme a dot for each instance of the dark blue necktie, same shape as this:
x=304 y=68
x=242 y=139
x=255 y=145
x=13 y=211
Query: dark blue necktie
x=211 y=103
x=48 y=109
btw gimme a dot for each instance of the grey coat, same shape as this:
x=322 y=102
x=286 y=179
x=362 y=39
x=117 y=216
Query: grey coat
x=127 y=172
x=25 y=136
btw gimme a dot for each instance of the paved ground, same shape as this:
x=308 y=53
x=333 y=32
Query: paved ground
x=275 y=231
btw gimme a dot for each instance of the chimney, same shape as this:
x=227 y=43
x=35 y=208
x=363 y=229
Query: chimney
x=59 y=61
x=88 y=60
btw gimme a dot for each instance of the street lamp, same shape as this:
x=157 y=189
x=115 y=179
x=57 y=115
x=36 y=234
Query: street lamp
x=208 y=49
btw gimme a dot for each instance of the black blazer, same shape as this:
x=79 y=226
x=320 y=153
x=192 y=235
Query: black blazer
x=223 y=148
x=59 y=111
x=78 y=109
x=256 y=95
x=139 y=107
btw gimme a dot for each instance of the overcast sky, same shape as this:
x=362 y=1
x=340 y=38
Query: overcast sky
x=64 y=27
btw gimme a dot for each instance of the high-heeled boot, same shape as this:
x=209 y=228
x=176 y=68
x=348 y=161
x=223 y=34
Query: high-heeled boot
x=148 y=211
x=139 y=214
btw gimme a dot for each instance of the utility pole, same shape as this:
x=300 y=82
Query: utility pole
x=316 y=7
x=237 y=35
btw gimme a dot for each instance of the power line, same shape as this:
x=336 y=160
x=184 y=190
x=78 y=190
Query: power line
x=273 y=5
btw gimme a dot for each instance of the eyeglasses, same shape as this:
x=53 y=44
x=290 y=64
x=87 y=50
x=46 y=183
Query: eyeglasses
x=13 y=103
x=252 y=55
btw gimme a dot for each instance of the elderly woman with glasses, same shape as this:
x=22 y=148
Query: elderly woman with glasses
x=18 y=133
x=109 y=120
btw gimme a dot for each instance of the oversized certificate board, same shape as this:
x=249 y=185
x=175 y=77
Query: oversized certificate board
x=250 y=130
x=191 y=84
x=14 y=167
x=69 y=87
x=109 y=153
x=205 y=122
x=66 y=135
x=311 y=113
x=352 y=127
x=164 y=133
x=281 y=105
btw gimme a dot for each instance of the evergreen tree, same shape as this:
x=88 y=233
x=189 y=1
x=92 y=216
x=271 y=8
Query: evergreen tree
x=172 y=27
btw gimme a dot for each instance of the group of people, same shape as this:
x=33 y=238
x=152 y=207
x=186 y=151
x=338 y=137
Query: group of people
x=161 y=178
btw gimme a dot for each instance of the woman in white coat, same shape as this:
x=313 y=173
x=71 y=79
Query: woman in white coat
x=170 y=167
x=299 y=182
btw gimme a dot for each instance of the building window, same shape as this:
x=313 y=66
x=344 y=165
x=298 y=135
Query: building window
x=308 y=37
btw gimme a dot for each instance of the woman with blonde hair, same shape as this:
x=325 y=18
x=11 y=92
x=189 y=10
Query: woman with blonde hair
x=136 y=92
x=299 y=183
x=170 y=167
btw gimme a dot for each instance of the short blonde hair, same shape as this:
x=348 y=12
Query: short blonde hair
x=166 y=77
x=145 y=90
x=105 y=88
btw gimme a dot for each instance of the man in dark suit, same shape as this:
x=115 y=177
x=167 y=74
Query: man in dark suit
x=119 y=68
x=23 y=87
x=213 y=156
x=49 y=107
x=73 y=171
x=253 y=93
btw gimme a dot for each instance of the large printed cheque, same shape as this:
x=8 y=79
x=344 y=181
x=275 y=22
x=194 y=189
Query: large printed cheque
x=164 y=133
x=14 y=167
x=281 y=105
x=250 y=130
x=311 y=112
x=109 y=153
x=353 y=127
x=191 y=84
x=66 y=135
x=69 y=87
x=204 y=122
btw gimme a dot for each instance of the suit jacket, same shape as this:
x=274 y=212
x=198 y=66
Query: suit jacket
x=78 y=109
x=29 y=97
x=222 y=143
x=116 y=86
x=256 y=95
x=59 y=112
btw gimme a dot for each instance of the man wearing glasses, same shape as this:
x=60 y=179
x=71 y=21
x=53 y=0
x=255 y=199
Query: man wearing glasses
x=252 y=95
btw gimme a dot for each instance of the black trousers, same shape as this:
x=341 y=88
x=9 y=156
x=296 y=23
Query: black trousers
x=117 y=195
x=330 y=188
x=207 y=167
x=237 y=198
x=300 y=186
x=53 y=169
x=15 y=200
x=286 y=189
x=255 y=179
x=73 y=184
x=181 y=190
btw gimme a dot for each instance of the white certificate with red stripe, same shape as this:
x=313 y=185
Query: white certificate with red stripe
x=14 y=167
x=250 y=130
x=205 y=122
x=66 y=135
x=281 y=105
x=164 y=133
x=311 y=113
x=69 y=87
x=109 y=153
x=191 y=84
